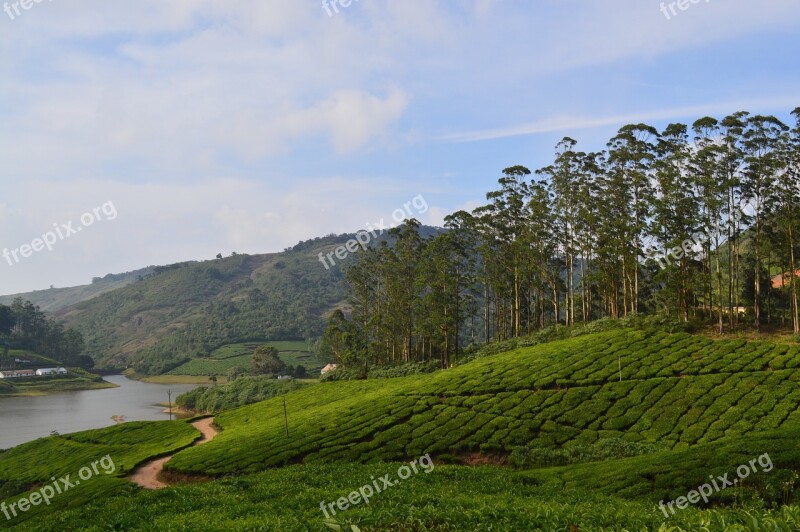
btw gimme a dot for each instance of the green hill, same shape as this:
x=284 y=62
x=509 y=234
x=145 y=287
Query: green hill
x=184 y=311
x=188 y=310
x=677 y=391
x=55 y=299
x=686 y=408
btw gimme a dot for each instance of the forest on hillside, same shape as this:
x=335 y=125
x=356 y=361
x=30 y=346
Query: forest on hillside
x=698 y=222
x=24 y=325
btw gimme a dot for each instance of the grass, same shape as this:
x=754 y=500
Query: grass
x=450 y=498
x=677 y=391
x=293 y=353
x=700 y=406
x=34 y=464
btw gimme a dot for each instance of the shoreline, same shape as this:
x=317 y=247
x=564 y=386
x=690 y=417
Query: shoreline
x=40 y=390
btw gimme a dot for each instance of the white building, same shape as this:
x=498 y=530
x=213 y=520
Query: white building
x=51 y=371
x=17 y=374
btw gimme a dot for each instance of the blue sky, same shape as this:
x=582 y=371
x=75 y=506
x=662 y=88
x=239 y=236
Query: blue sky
x=249 y=125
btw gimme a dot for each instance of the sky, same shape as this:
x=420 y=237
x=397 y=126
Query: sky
x=146 y=132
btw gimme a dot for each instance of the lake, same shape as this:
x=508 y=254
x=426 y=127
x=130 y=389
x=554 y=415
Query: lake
x=27 y=418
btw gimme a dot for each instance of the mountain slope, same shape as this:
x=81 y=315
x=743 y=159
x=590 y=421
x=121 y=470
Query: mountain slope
x=677 y=391
x=188 y=310
x=706 y=407
x=55 y=299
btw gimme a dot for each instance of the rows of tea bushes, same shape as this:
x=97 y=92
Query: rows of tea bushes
x=677 y=390
x=34 y=464
x=450 y=498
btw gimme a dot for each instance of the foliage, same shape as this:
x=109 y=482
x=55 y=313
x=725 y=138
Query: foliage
x=382 y=372
x=677 y=390
x=239 y=392
x=690 y=225
x=25 y=326
x=266 y=360
x=450 y=498
x=537 y=454
x=34 y=464
x=237 y=358
x=187 y=312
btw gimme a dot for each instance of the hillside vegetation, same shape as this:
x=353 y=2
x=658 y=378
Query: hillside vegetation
x=55 y=299
x=687 y=407
x=677 y=390
x=228 y=357
x=188 y=310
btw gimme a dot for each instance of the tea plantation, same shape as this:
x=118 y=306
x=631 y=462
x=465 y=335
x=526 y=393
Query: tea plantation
x=676 y=391
x=588 y=433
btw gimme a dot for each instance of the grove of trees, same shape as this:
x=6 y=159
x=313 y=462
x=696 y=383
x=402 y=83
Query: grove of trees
x=23 y=325
x=692 y=221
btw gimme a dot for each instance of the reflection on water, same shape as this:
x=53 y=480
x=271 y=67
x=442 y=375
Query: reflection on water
x=24 y=419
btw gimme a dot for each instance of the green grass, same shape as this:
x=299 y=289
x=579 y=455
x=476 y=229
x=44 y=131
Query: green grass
x=700 y=407
x=677 y=391
x=448 y=499
x=668 y=475
x=34 y=464
x=293 y=353
x=208 y=366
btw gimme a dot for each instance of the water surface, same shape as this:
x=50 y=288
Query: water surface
x=23 y=419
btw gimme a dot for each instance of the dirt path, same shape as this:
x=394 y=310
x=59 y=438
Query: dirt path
x=147 y=474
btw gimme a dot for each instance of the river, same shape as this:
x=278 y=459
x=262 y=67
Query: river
x=23 y=419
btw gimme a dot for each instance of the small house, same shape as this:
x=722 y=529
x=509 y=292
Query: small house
x=329 y=367
x=17 y=374
x=51 y=371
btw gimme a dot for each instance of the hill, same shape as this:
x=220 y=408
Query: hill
x=677 y=390
x=55 y=299
x=188 y=310
x=693 y=407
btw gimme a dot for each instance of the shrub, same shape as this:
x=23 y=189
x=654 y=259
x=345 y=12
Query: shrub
x=242 y=391
x=536 y=454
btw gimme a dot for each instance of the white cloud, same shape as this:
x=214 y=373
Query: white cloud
x=566 y=123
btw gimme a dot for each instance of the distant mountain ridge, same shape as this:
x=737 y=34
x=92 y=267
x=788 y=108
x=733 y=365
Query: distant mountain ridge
x=156 y=321
x=55 y=299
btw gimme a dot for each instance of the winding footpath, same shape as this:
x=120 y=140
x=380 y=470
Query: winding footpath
x=147 y=474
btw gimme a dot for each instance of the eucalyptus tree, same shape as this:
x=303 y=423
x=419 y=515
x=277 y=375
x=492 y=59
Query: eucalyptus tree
x=783 y=207
x=762 y=143
x=402 y=286
x=563 y=178
x=545 y=275
x=631 y=154
x=732 y=129
x=675 y=213
x=710 y=176
x=503 y=221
